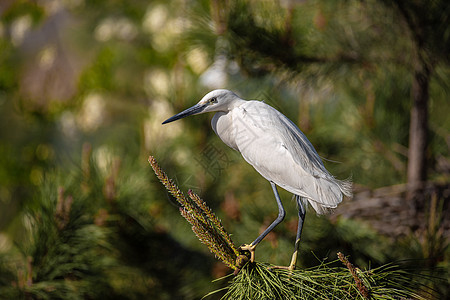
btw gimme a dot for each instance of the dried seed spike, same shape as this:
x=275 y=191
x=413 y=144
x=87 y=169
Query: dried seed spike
x=216 y=221
x=169 y=184
x=206 y=226
x=208 y=238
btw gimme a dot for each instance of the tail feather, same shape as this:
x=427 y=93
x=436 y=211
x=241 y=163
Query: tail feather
x=328 y=194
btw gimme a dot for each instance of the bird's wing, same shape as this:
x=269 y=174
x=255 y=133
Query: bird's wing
x=280 y=152
x=258 y=115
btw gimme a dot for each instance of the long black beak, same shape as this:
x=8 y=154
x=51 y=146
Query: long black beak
x=196 y=109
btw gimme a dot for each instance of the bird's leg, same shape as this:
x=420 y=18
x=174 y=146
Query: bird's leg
x=301 y=219
x=281 y=215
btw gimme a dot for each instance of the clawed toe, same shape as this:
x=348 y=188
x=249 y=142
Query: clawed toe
x=250 y=248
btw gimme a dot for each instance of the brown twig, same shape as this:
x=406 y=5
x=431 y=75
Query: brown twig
x=359 y=284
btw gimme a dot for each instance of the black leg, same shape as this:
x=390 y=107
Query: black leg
x=301 y=219
x=281 y=215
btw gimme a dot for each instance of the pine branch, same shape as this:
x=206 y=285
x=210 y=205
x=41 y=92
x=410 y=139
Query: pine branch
x=263 y=281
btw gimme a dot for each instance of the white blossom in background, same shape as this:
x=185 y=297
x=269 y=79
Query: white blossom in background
x=104 y=158
x=197 y=59
x=47 y=57
x=164 y=31
x=125 y=29
x=105 y=30
x=5 y=242
x=216 y=76
x=19 y=28
x=119 y=28
x=155 y=18
x=91 y=114
x=68 y=125
x=157 y=82
x=154 y=133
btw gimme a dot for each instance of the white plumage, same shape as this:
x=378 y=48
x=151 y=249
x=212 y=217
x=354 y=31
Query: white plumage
x=276 y=148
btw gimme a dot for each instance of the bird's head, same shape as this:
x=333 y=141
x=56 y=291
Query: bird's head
x=217 y=100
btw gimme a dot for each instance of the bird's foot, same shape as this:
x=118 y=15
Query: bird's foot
x=291 y=266
x=250 y=248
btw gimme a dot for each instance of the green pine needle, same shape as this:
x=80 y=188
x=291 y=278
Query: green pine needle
x=265 y=281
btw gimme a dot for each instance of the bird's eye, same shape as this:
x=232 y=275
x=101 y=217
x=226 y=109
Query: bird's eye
x=213 y=100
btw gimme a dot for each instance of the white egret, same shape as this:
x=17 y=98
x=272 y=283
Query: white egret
x=277 y=149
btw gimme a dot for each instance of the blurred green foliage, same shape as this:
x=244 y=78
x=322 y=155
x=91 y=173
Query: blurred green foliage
x=107 y=73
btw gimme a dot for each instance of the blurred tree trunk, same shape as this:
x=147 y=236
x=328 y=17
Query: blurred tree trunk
x=416 y=19
x=418 y=133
